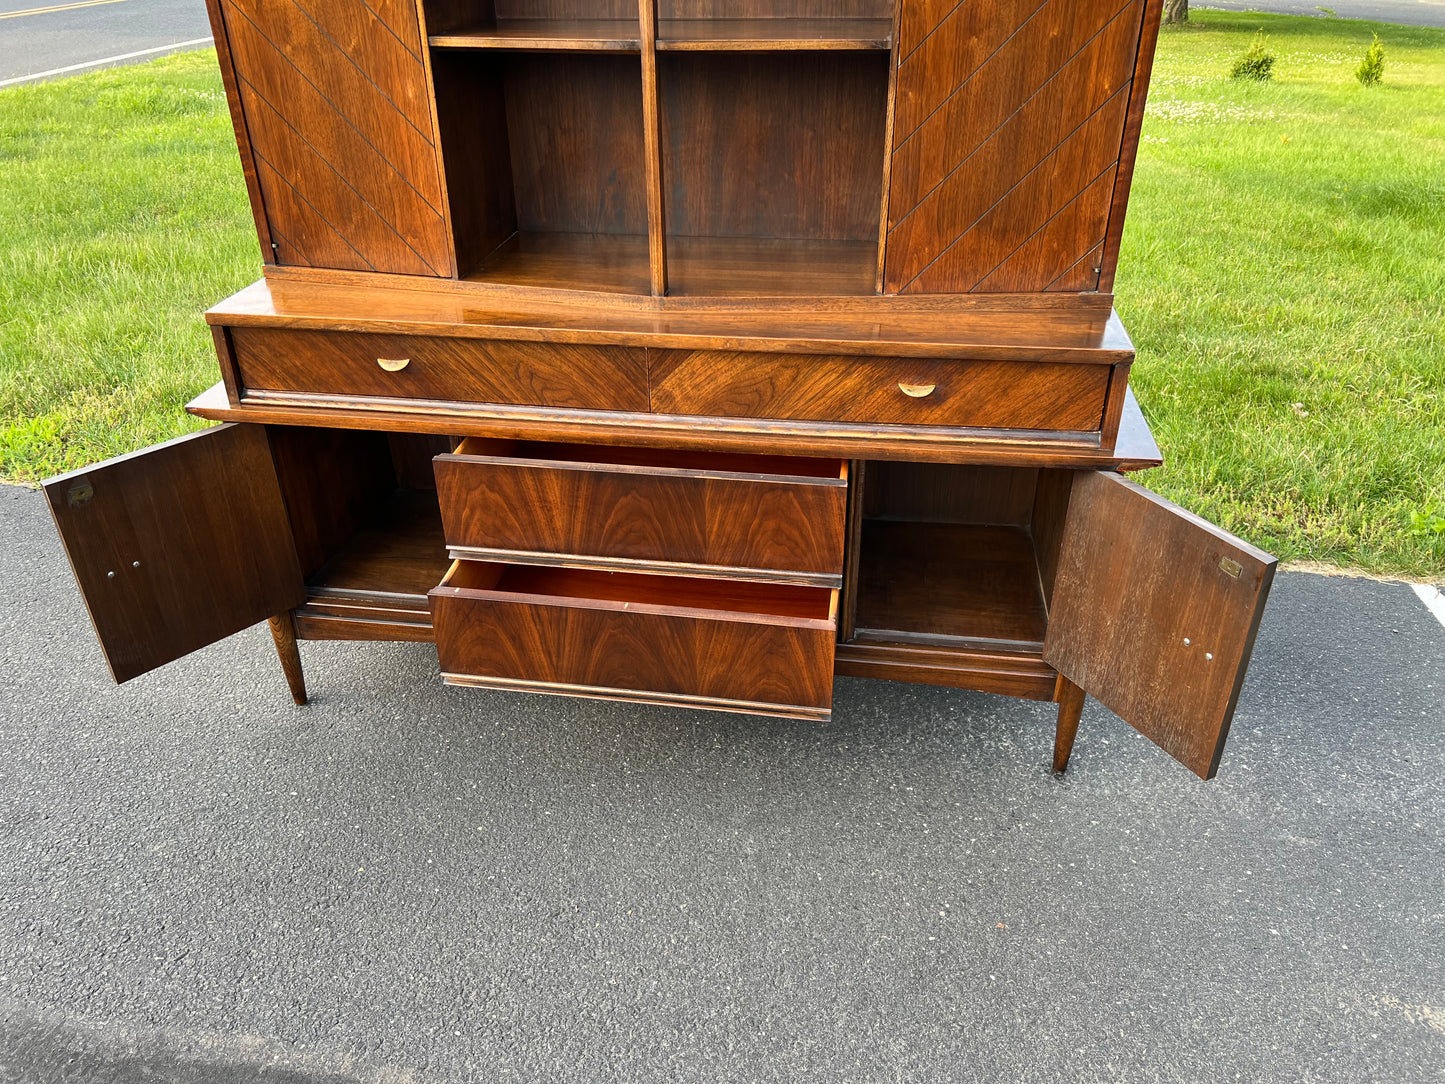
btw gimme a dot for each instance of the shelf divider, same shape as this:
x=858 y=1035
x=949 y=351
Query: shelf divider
x=652 y=149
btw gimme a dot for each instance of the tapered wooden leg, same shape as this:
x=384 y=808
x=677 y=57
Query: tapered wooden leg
x=283 y=631
x=1071 y=706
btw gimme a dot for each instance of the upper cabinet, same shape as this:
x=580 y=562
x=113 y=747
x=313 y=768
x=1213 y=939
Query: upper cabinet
x=333 y=117
x=1013 y=140
x=695 y=148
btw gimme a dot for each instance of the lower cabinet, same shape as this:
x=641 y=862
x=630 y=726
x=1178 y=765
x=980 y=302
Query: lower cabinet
x=724 y=581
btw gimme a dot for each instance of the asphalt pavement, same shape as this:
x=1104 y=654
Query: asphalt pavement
x=201 y=883
x=43 y=38
x=1408 y=12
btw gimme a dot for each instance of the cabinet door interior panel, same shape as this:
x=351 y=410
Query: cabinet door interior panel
x=337 y=116
x=991 y=146
x=177 y=546
x=1154 y=613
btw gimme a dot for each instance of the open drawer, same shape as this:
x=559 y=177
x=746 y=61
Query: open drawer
x=711 y=514
x=720 y=644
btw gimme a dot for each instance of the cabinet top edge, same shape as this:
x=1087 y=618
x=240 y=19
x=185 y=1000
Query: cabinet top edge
x=1135 y=448
x=1013 y=327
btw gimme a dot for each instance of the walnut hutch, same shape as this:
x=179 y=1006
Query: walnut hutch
x=688 y=352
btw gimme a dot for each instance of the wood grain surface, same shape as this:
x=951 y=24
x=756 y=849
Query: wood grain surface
x=768 y=145
x=177 y=546
x=1154 y=614
x=1008 y=133
x=1023 y=327
x=337 y=117
x=850 y=389
x=958 y=666
x=595 y=377
x=1136 y=449
x=931 y=582
x=682 y=510
x=715 y=644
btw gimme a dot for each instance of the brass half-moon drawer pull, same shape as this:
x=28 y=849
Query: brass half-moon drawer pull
x=393 y=365
x=916 y=391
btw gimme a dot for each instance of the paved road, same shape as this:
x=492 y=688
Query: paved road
x=35 y=38
x=404 y=882
x=1409 y=12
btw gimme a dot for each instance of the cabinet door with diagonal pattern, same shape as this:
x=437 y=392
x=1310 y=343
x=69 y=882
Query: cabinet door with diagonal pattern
x=334 y=121
x=1009 y=140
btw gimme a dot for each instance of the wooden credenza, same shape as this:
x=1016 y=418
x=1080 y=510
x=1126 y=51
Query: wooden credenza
x=687 y=352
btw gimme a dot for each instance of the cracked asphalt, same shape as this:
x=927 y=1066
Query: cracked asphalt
x=201 y=883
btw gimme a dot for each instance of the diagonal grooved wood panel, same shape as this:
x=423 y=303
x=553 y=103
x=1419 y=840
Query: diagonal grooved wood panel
x=1009 y=131
x=336 y=110
x=395 y=72
x=313 y=241
x=950 y=53
x=290 y=155
x=1017 y=97
x=1061 y=242
x=399 y=17
x=1048 y=188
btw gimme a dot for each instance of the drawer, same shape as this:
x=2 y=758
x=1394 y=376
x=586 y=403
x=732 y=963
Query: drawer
x=881 y=391
x=424 y=367
x=725 y=645
x=646 y=510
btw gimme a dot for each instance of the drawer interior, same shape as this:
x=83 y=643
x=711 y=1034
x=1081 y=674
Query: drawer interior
x=786 y=602
x=952 y=555
x=664 y=458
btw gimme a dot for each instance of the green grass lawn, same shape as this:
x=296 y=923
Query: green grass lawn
x=1283 y=275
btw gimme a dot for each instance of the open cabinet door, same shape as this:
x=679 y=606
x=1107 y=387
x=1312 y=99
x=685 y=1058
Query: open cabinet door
x=178 y=546
x=1154 y=614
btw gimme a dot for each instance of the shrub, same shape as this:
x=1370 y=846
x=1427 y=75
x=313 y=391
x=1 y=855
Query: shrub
x=1257 y=64
x=1372 y=68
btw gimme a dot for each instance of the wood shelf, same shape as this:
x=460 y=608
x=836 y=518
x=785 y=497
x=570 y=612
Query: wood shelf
x=570 y=261
x=763 y=35
x=379 y=579
x=696 y=266
x=673 y=35
x=547 y=35
x=770 y=267
x=944 y=583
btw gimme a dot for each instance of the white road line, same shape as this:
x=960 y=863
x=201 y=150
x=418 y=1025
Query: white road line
x=104 y=60
x=1432 y=598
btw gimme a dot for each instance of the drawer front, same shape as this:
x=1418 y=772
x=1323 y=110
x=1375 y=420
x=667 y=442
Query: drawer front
x=622 y=649
x=880 y=391
x=688 y=521
x=422 y=367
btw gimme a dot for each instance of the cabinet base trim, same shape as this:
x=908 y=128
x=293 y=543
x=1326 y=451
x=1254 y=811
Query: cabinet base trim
x=631 y=564
x=1023 y=675
x=316 y=624
x=638 y=696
